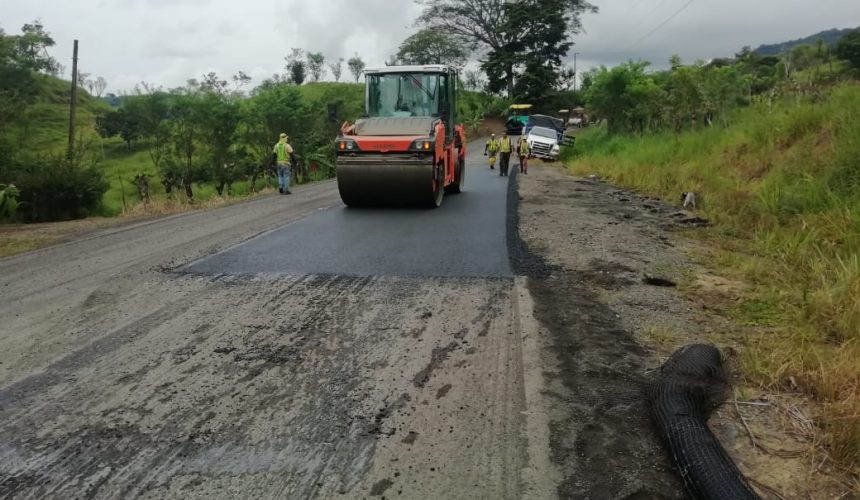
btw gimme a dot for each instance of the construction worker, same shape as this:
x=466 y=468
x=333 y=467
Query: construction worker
x=524 y=151
x=506 y=147
x=282 y=153
x=492 y=148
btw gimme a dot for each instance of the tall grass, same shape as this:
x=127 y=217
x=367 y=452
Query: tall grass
x=782 y=186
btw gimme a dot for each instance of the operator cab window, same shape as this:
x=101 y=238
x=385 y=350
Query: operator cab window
x=404 y=95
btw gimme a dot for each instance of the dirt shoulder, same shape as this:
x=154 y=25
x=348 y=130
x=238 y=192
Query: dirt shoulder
x=607 y=330
x=21 y=238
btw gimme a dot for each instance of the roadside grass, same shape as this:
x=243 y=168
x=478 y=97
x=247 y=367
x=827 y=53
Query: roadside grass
x=782 y=187
x=11 y=245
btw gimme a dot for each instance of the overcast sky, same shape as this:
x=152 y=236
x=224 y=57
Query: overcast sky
x=165 y=42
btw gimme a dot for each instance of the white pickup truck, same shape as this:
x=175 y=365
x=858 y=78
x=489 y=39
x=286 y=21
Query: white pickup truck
x=543 y=143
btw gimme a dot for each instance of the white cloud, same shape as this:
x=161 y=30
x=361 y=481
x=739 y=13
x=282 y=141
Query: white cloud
x=705 y=30
x=167 y=42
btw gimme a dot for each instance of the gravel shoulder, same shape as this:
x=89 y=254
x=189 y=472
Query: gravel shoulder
x=607 y=330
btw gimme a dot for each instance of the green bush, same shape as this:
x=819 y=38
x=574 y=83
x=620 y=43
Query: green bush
x=9 y=201
x=53 y=189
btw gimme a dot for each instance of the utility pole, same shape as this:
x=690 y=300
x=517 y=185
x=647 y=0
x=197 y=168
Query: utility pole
x=73 y=101
x=575 y=74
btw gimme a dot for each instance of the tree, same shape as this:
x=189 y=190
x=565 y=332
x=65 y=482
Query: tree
x=220 y=119
x=684 y=95
x=32 y=46
x=21 y=56
x=316 y=65
x=186 y=133
x=805 y=57
x=240 y=79
x=296 y=66
x=625 y=96
x=99 y=86
x=588 y=79
x=432 y=46
x=487 y=24
x=848 y=49
x=722 y=89
x=298 y=72
x=211 y=83
x=356 y=67
x=336 y=68
x=82 y=79
x=534 y=59
x=473 y=80
x=567 y=78
x=122 y=122
x=152 y=111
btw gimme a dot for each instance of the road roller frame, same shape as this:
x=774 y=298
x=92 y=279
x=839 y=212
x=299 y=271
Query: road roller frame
x=408 y=148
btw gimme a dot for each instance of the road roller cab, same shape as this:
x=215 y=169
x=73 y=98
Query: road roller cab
x=407 y=149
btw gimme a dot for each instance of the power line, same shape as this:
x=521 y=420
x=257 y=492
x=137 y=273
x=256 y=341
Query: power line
x=664 y=23
x=633 y=16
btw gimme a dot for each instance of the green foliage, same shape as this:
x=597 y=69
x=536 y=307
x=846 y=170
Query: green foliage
x=528 y=65
x=59 y=187
x=9 y=204
x=542 y=26
x=336 y=68
x=432 y=46
x=849 y=49
x=21 y=57
x=48 y=184
x=296 y=66
x=121 y=123
x=316 y=65
x=356 y=66
x=523 y=39
x=625 y=96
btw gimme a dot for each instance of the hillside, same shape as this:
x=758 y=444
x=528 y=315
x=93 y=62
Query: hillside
x=45 y=124
x=830 y=37
x=782 y=189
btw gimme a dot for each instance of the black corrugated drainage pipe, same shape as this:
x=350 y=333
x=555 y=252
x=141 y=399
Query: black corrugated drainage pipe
x=691 y=385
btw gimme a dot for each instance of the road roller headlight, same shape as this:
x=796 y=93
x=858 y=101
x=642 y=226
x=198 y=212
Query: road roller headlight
x=346 y=146
x=422 y=145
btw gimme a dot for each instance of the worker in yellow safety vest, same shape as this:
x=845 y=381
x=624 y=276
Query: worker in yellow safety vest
x=283 y=153
x=524 y=151
x=491 y=149
x=506 y=147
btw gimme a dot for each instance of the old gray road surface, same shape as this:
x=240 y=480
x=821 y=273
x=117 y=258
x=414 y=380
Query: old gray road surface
x=286 y=347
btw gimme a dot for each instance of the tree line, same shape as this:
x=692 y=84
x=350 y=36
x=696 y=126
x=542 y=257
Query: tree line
x=209 y=131
x=631 y=99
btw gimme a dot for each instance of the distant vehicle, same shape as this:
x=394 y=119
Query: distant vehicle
x=518 y=118
x=545 y=121
x=544 y=143
x=578 y=118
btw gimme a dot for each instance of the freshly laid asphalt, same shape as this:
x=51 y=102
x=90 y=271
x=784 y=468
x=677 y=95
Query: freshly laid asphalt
x=465 y=237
